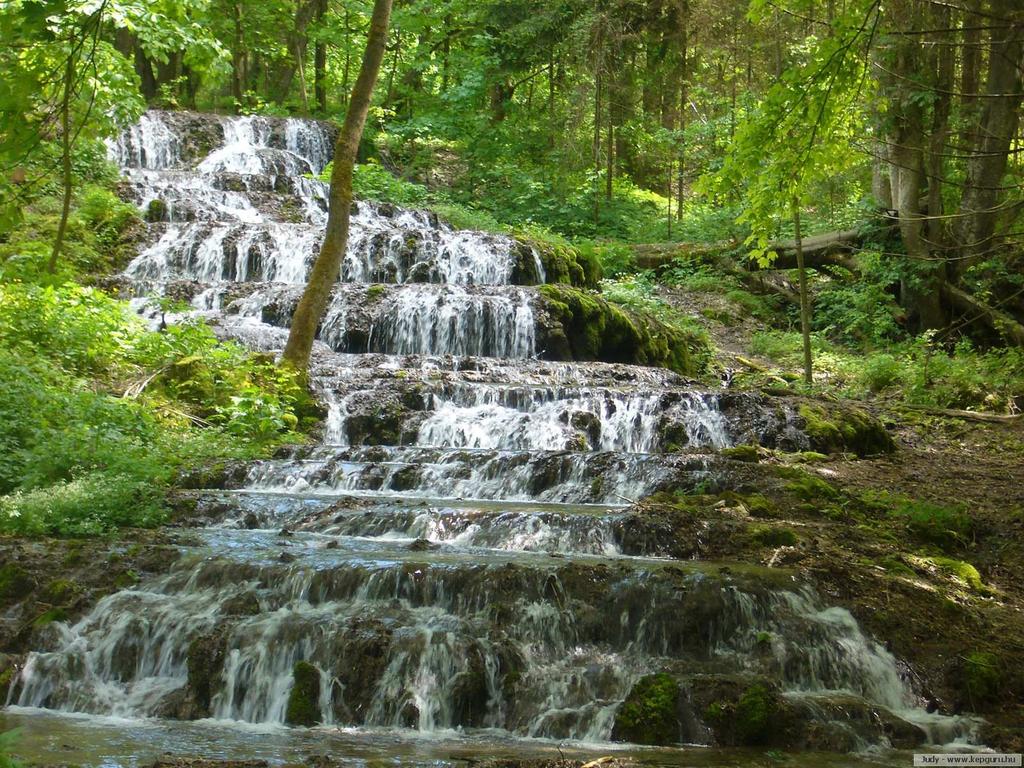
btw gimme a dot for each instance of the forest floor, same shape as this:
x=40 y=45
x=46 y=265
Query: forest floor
x=949 y=621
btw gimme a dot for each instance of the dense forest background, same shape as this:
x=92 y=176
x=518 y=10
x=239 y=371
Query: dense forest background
x=686 y=144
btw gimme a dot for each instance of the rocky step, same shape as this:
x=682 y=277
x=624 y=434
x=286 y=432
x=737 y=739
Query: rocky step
x=182 y=140
x=426 y=524
x=546 y=476
x=186 y=196
x=369 y=634
x=210 y=217
x=416 y=623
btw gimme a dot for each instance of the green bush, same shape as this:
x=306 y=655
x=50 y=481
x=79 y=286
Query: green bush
x=76 y=457
x=372 y=181
x=93 y=505
x=616 y=259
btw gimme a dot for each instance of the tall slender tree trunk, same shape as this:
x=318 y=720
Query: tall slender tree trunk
x=597 y=146
x=237 y=57
x=805 y=299
x=65 y=143
x=327 y=267
x=551 y=98
x=300 y=58
x=610 y=155
x=348 y=59
x=320 y=61
x=970 y=70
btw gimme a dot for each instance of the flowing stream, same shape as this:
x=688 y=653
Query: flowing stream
x=459 y=562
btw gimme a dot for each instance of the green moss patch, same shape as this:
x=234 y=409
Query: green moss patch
x=15 y=583
x=982 y=677
x=845 y=429
x=650 y=714
x=584 y=326
x=304 y=699
x=566 y=265
x=746 y=453
x=773 y=536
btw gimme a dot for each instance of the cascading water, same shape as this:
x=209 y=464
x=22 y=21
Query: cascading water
x=459 y=553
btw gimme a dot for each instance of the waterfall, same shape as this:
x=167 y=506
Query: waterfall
x=460 y=554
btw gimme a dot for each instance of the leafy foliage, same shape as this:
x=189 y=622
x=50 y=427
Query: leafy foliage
x=78 y=456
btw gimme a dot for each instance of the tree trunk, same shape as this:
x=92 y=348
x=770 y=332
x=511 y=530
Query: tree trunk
x=921 y=280
x=942 y=64
x=610 y=152
x=805 y=301
x=998 y=127
x=327 y=267
x=237 y=57
x=65 y=143
x=970 y=70
x=320 y=61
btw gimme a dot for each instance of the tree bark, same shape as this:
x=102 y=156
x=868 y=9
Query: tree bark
x=320 y=61
x=996 y=131
x=65 y=143
x=237 y=57
x=805 y=301
x=327 y=267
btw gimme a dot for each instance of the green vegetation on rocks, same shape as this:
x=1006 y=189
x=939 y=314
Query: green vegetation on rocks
x=756 y=717
x=650 y=713
x=304 y=698
x=584 y=326
x=844 y=428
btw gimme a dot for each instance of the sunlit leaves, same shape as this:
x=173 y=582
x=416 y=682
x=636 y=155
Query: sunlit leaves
x=804 y=130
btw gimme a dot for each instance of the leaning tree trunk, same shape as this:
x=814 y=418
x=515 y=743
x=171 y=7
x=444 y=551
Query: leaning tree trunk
x=328 y=264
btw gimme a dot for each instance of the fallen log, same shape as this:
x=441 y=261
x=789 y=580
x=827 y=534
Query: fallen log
x=953 y=413
x=830 y=249
x=999 y=321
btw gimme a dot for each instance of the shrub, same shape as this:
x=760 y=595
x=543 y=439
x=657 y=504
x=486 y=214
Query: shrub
x=77 y=459
x=92 y=505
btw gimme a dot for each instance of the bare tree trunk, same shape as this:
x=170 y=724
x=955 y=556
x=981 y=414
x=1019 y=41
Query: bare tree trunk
x=320 y=61
x=65 y=143
x=300 y=58
x=597 y=147
x=237 y=57
x=996 y=131
x=327 y=267
x=610 y=153
x=970 y=70
x=348 y=59
x=805 y=300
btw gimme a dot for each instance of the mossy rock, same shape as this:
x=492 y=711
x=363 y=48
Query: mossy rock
x=747 y=453
x=156 y=211
x=962 y=571
x=205 y=663
x=757 y=717
x=811 y=487
x=304 y=699
x=61 y=591
x=650 y=714
x=15 y=583
x=773 y=536
x=845 y=428
x=563 y=264
x=49 y=617
x=580 y=325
